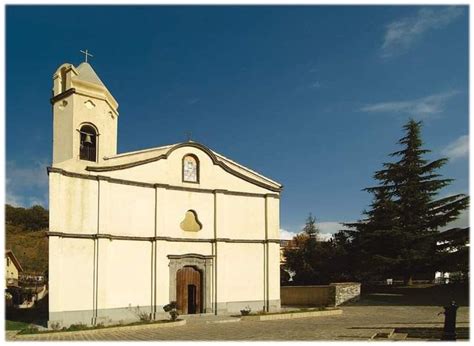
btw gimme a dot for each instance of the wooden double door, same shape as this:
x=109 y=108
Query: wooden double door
x=189 y=290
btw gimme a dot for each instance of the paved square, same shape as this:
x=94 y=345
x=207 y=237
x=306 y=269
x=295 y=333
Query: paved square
x=358 y=322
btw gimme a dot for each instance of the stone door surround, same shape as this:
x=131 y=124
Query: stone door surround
x=201 y=263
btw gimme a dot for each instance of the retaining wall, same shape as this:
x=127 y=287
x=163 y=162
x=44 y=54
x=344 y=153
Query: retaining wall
x=333 y=294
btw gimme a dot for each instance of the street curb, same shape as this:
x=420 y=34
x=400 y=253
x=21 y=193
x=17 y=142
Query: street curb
x=292 y=315
x=111 y=329
x=224 y=321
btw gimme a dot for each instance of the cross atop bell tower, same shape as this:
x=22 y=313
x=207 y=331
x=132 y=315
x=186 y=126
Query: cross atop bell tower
x=86 y=54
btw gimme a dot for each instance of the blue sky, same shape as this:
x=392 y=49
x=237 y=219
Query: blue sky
x=312 y=96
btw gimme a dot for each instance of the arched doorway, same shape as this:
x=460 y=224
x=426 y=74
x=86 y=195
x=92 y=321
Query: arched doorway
x=189 y=290
x=201 y=265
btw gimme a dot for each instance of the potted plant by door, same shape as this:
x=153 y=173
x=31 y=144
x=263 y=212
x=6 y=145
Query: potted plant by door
x=245 y=311
x=171 y=308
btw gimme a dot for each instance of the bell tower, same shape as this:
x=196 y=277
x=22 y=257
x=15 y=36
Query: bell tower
x=85 y=117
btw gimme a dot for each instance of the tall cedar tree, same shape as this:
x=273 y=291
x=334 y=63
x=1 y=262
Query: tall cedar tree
x=398 y=237
x=374 y=244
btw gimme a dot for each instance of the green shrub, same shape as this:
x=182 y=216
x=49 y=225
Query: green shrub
x=142 y=315
x=30 y=330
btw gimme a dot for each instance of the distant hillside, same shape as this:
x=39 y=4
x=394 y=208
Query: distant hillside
x=25 y=232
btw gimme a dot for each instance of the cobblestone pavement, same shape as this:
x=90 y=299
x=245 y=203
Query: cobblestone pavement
x=357 y=322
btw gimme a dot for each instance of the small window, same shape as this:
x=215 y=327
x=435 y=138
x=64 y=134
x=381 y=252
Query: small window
x=190 y=169
x=88 y=146
x=8 y=261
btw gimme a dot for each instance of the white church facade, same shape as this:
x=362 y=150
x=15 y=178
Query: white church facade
x=141 y=229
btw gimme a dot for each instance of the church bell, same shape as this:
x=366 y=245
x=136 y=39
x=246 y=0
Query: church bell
x=88 y=139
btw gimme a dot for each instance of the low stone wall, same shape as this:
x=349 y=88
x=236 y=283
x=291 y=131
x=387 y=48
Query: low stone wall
x=345 y=292
x=333 y=294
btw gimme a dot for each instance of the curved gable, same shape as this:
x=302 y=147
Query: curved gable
x=241 y=173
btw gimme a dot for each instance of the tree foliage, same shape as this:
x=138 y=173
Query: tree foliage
x=317 y=262
x=453 y=251
x=398 y=235
x=33 y=219
x=310 y=228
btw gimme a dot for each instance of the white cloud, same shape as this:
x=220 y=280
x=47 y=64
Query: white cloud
x=404 y=32
x=461 y=222
x=17 y=200
x=421 y=107
x=26 y=178
x=325 y=236
x=457 y=149
x=329 y=227
x=13 y=200
x=326 y=230
x=284 y=234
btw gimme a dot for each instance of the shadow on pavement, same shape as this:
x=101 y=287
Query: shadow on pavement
x=37 y=315
x=434 y=333
x=422 y=295
x=425 y=333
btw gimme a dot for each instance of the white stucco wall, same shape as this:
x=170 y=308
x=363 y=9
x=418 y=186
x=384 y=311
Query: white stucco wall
x=240 y=272
x=131 y=210
x=274 y=271
x=71 y=263
x=124 y=274
x=73 y=204
x=125 y=265
x=241 y=217
x=174 y=212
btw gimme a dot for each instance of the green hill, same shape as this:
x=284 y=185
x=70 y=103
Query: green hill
x=25 y=233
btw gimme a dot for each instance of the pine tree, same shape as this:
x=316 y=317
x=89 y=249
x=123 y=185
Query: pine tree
x=399 y=234
x=310 y=227
x=374 y=243
x=303 y=256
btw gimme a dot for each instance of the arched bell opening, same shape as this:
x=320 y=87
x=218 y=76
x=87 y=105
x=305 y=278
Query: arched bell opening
x=88 y=143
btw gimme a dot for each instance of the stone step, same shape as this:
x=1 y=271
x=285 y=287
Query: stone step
x=399 y=336
x=386 y=334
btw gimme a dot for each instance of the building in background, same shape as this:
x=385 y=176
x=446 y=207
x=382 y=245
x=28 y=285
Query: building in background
x=12 y=269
